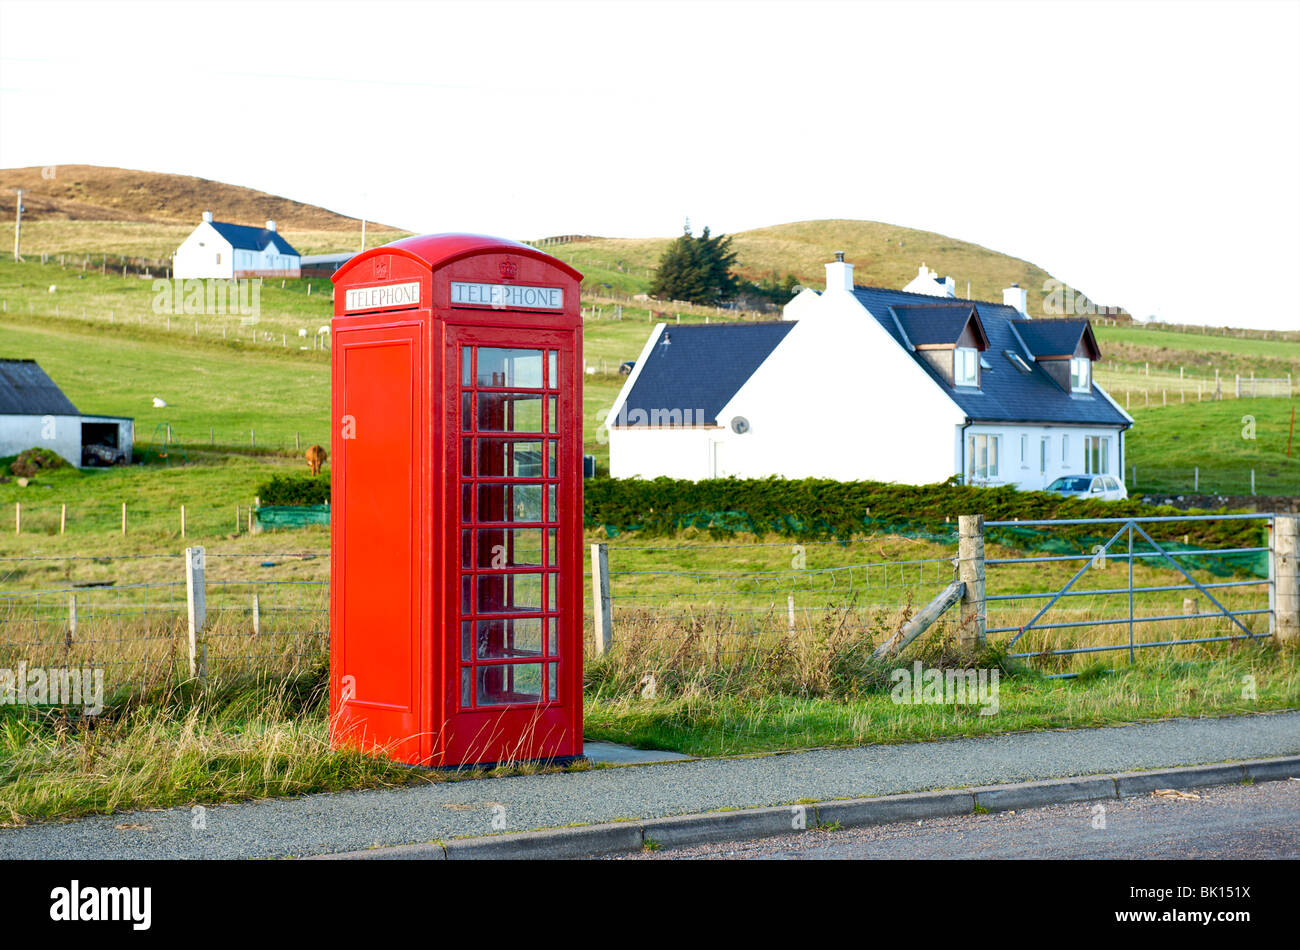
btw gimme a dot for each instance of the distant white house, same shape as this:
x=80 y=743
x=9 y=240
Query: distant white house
x=34 y=413
x=927 y=282
x=218 y=249
x=870 y=383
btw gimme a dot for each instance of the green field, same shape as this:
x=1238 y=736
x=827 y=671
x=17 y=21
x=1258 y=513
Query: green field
x=242 y=394
x=1213 y=342
x=1168 y=443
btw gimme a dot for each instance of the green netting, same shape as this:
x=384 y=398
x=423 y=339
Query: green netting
x=291 y=516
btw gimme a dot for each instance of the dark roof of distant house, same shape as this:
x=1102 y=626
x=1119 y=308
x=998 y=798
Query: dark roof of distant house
x=1005 y=394
x=937 y=324
x=25 y=390
x=248 y=238
x=697 y=369
x=1057 y=337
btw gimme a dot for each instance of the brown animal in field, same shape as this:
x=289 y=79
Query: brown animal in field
x=316 y=458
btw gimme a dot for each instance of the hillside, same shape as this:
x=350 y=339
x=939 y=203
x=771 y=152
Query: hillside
x=91 y=209
x=96 y=193
x=883 y=255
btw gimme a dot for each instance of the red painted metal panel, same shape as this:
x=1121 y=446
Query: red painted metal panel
x=376 y=539
x=476 y=656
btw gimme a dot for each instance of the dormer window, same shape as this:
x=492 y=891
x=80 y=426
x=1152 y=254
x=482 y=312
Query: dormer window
x=966 y=366
x=1080 y=374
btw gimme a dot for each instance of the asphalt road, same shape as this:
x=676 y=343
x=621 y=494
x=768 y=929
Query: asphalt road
x=354 y=821
x=1231 y=821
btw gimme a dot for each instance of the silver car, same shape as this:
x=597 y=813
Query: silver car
x=1100 y=487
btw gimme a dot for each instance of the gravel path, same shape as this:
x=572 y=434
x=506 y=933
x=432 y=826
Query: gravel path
x=349 y=821
x=1231 y=821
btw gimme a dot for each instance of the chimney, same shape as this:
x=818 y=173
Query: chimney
x=1016 y=296
x=207 y=216
x=270 y=225
x=839 y=275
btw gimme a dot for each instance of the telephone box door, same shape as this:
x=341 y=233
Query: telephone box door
x=376 y=682
x=514 y=611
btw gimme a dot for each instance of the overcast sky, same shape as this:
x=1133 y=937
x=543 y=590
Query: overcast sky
x=1148 y=154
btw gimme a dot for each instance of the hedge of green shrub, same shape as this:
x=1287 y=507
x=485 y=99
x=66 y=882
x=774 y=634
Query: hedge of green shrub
x=814 y=508
x=296 y=490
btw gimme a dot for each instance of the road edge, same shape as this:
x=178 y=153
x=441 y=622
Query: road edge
x=633 y=835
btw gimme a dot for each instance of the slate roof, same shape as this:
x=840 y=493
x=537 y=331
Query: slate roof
x=247 y=238
x=697 y=369
x=930 y=324
x=1053 y=337
x=1005 y=393
x=25 y=390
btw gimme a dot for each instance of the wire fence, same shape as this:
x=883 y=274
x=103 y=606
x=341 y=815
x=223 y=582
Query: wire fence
x=138 y=634
x=1141 y=389
x=187 y=521
x=747 y=608
x=1053 y=599
x=268 y=613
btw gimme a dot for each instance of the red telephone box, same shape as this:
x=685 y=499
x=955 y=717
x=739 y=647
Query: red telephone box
x=456 y=526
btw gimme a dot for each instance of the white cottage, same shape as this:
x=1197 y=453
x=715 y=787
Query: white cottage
x=221 y=250
x=869 y=383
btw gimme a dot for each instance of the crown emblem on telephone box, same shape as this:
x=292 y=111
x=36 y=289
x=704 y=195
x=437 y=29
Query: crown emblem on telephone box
x=381 y=268
x=509 y=270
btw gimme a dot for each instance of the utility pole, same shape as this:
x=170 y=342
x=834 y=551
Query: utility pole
x=18 y=224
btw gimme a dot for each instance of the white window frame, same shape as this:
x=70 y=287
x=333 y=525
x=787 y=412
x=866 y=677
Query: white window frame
x=1096 y=455
x=988 y=446
x=1080 y=374
x=1024 y=450
x=1065 y=450
x=966 y=358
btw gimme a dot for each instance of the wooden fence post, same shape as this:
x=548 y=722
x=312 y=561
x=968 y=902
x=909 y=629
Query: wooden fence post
x=1285 y=572
x=970 y=570
x=602 y=607
x=63 y=517
x=257 y=615
x=72 y=620
x=18 y=517
x=124 y=517
x=196 y=601
x=182 y=521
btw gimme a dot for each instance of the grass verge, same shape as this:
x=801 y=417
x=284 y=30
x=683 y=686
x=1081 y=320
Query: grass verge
x=698 y=720
x=184 y=745
x=266 y=738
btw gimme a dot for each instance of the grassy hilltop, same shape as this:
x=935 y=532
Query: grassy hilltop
x=90 y=209
x=883 y=255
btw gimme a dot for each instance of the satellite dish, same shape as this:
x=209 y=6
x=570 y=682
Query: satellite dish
x=739 y=425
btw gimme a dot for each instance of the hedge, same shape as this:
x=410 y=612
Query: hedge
x=813 y=508
x=295 y=490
